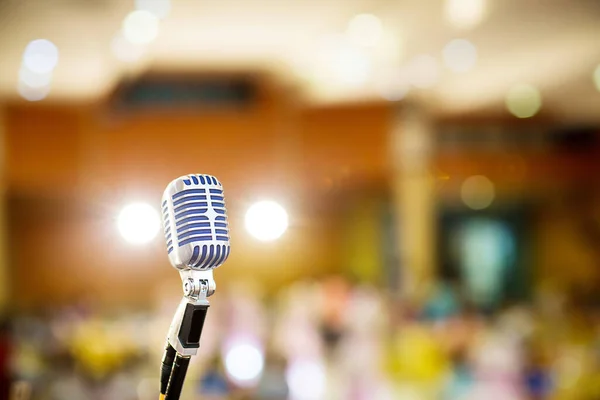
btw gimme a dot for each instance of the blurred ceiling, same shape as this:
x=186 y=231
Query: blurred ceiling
x=552 y=44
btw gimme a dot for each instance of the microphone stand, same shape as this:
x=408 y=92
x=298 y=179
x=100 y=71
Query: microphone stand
x=183 y=339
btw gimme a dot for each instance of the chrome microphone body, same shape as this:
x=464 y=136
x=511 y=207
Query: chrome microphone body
x=195 y=221
x=197 y=236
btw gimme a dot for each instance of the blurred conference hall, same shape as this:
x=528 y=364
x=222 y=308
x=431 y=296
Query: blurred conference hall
x=412 y=192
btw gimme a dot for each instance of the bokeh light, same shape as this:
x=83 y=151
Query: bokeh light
x=32 y=93
x=597 y=77
x=138 y=223
x=423 y=71
x=393 y=86
x=266 y=220
x=40 y=56
x=365 y=30
x=477 y=192
x=34 y=80
x=343 y=62
x=160 y=8
x=465 y=14
x=126 y=51
x=244 y=363
x=306 y=380
x=460 y=55
x=523 y=101
x=140 y=27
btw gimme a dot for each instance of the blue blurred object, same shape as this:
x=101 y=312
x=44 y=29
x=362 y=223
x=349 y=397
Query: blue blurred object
x=443 y=304
x=213 y=384
x=538 y=383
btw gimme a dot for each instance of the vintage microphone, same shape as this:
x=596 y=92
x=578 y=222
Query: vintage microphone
x=197 y=236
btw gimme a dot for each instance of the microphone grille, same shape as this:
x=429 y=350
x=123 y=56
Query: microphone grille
x=167 y=226
x=195 y=222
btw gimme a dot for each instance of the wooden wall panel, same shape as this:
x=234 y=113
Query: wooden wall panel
x=42 y=147
x=78 y=164
x=346 y=139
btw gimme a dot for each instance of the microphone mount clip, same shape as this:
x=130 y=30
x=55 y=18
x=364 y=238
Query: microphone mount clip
x=198 y=285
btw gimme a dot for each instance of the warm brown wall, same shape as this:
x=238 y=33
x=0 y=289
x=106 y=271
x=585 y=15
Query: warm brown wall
x=71 y=167
x=43 y=147
x=349 y=140
x=568 y=249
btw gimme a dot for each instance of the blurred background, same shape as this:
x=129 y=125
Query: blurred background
x=412 y=189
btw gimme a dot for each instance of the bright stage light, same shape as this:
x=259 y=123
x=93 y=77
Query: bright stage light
x=597 y=77
x=465 y=14
x=342 y=62
x=524 y=101
x=126 y=51
x=40 y=56
x=365 y=30
x=394 y=85
x=138 y=223
x=306 y=380
x=32 y=93
x=140 y=27
x=33 y=79
x=244 y=363
x=460 y=55
x=266 y=220
x=423 y=71
x=477 y=192
x=160 y=8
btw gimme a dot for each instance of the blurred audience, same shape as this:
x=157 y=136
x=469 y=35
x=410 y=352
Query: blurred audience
x=330 y=340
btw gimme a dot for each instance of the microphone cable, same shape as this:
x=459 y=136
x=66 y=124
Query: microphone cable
x=167 y=367
x=180 y=367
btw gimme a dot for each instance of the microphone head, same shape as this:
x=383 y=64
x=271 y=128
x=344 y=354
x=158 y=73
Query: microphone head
x=195 y=222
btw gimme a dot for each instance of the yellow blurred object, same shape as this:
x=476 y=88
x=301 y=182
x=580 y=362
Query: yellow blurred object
x=417 y=356
x=574 y=373
x=362 y=241
x=100 y=349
